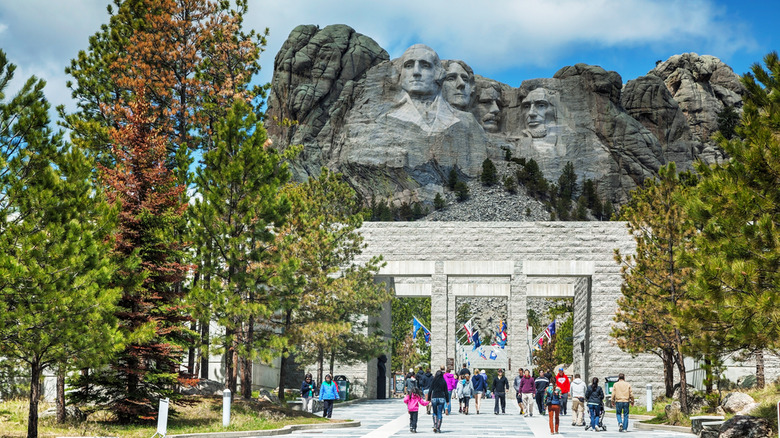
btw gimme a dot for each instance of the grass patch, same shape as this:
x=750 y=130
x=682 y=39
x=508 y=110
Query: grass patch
x=202 y=416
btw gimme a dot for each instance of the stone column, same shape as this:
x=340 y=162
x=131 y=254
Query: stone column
x=439 y=317
x=518 y=319
x=451 y=327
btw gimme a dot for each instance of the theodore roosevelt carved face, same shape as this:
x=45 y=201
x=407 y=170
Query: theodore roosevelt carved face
x=488 y=108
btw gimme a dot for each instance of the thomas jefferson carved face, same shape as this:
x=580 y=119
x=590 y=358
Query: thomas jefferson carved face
x=488 y=108
x=538 y=112
x=458 y=85
x=421 y=72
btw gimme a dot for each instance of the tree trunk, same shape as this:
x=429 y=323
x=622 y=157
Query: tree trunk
x=760 y=378
x=246 y=362
x=709 y=378
x=320 y=365
x=234 y=363
x=229 y=363
x=204 y=349
x=283 y=362
x=669 y=373
x=191 y=352
x=332 y=361
x=60 y=398
x=35 y=395
x=683 y=378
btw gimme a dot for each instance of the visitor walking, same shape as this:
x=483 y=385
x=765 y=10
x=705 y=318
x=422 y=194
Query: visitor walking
x=562 y=381
x=464 y=370
x=465 y=391
x=553 y=399
x=308 y=391
x=426 y=387
x=541 y=383
x=622 y=396
x=329 y=392
x=578 y=388
x=528 y=389
x=516 y=386
x=500 y=386
x=479 y=383
x=413 y=401
x=411 y=382
x=595 y=397
x=452 y=383
x=437 y=396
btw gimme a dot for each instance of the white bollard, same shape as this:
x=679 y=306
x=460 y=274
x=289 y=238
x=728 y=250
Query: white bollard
x=226 y=408
x=649 y=392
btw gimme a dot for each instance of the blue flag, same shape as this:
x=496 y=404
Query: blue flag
x=475 y=339
x=493 y=355
x=416 y=326
x=551 y=327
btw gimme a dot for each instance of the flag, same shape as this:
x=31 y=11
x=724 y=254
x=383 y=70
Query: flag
x=502 y=330
x=493 y=355
x=551 y=328
x=482 y=354
x=547 y=333
x=416 y=326
x=475 y=339
x=469 y=330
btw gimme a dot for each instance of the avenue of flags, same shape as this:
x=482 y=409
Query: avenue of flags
x=473 y=337
x=416 y=326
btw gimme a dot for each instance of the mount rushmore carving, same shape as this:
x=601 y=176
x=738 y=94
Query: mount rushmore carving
x=395 y=128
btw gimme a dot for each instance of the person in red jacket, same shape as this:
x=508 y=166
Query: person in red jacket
x=563 y=382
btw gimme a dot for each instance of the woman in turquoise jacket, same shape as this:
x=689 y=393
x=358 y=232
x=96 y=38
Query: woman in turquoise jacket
x=329 y=391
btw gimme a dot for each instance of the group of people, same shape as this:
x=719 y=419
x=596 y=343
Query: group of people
x=328 y=393
x=549 y=393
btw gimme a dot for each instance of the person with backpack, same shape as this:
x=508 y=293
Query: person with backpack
x=595 y=399
x=552 y=399
x=516 y=386
x=329 y=392
x=465 y=391
x=500 y=386
x=413 y=401
x=479 y=383
x=578 y=388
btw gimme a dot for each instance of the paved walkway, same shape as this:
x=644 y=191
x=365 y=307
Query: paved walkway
x=388 y=418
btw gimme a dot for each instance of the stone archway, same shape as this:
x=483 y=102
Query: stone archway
x=445 y=260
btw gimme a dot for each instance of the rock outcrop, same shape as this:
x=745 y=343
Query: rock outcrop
x=396 y=128
x=736 y=401
x=742 y=426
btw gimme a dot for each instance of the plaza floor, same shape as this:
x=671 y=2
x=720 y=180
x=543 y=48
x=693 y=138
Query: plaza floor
x=388 y=418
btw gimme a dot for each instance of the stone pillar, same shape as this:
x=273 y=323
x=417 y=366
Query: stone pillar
x=452 y=309
x=518 y=319
x=439 y=317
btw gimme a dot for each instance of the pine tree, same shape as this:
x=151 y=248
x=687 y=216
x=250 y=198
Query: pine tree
x=151 y=311
x=452 y=180
x=461 y=191
x=438 y=202
x=489 y=175
x=56 y=308
x=233 y=225
x=567 y=182
x=738 y=263
x=328 y=295
x=653 y=311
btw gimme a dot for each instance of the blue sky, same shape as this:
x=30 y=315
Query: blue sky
x=507 y=40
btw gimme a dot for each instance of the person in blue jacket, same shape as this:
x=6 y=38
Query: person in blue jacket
x=480 y=387
x=329 y=392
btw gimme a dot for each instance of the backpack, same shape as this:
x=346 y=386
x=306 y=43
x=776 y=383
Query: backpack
x=551 y=396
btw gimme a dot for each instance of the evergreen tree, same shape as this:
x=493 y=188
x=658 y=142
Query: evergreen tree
x=408 y=352
x=653 y=311
x=738 y=263
x=150 y=309
x=56 y=307
x=567 y=182
x=329 y=296
x=233 y=223
x=452 y=179
x=438 y=202
x=510 y=185
x=728 y=120
x=461 y=191
x=489 y=175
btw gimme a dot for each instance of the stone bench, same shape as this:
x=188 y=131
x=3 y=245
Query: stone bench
x=696 y=422
x=710 y=429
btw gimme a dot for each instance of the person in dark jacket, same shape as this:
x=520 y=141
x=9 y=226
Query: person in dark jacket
x=426 y=387
x=528 y=389
x=308 y=391
x=500 y=386
x=438 y=398
x=540 y=385
x=595 y=399
x=479 y=382
x=410 y=383
x=464 y=370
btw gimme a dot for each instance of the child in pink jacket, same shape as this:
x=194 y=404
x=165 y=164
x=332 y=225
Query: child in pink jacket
x=413 y=400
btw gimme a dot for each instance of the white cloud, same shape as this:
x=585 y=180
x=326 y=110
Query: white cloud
x=41 y=36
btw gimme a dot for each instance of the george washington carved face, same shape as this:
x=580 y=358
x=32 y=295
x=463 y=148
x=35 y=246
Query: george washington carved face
x=421 y=72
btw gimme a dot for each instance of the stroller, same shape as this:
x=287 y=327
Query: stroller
x=601 y=426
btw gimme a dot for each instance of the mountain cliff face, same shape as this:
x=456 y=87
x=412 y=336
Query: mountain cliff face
x=396 y=128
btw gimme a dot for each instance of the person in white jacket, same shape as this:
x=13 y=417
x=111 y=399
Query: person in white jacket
x=578 y=388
